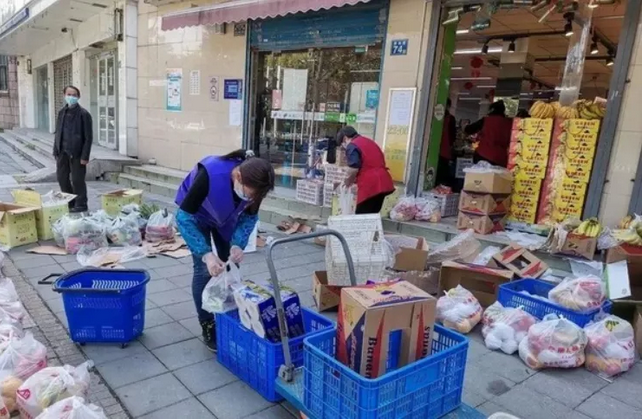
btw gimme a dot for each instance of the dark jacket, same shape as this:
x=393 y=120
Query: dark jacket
x=81 y=133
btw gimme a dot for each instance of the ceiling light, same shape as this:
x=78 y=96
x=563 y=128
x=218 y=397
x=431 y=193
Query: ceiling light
x=457 y=68
x=461 y=31
x=593 y=49
x=470 y=98
x=491 y=86
x=569 y=29
x=485 y=48
x=470 y=78
x=476 y=51
x=609 y=62
x=512 y=47
x=464 y=93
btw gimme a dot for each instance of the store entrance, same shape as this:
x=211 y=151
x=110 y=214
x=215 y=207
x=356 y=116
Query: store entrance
x=42 y=99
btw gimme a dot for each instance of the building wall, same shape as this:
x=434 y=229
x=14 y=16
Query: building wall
x=180 y=139
x=9 y=103
x=626 y=150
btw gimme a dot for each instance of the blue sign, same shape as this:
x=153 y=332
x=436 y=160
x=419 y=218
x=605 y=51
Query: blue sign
x=14 y=21
x=232 y=88
x=399 y=46
x=372 y=99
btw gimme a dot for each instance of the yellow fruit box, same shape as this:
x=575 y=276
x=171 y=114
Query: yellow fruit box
x=578 y=126
x=571 y=187
x=578 y=151
x=579 y=168
x=527 y=186
x=524 y=204
x=573 y=201
x=526 y=146
x=534 y=126
x=17 y=225
x=46 y=214
x=529 y=169
x=582 y=139
x=520 y=216
x=114 y=201
x=561 y=214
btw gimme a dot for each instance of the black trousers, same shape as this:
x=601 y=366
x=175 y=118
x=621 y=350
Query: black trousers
x=372 y=205
x=71 y=178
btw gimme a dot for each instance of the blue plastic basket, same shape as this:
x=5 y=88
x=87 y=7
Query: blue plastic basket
x=510 y=295
x=255 y=360
x=104 y=305
x=428 y=388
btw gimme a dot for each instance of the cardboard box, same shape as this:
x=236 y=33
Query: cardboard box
x=115 y=200
x=371 y=316
x=484 y=203
x=325 y=296
x=413 y=252
x=46 y=215
x=17 y=225
x=580 y=246
x=520 y=261
x=481 y=223
x=631 y=254
x=491 y=182
x=482 y=281
x=427 y=281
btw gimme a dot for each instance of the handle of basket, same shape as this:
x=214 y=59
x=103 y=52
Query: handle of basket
x=45 y=280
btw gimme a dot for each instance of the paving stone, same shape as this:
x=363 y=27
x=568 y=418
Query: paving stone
x=193 y=326
x=521 y=399
x=476 y=351
x=70 y=266
x=184 y=353
x=181 y=311
x=131 y=369
x=36 y=261
x=485 y=383
x=218 y=401
x=41 y=272
x=159 y=262
x=57 y=305
x=165 y=334
x=627 y=388
x=187 y=409
x=489 y=408
x=159 y=285
x=567 y=386
x=170 y=297
x=172 y=271
x=472 y=398
x=156 y=317
x=204 y=376
x=181 y=281
x=508 y=366
x=602 y=406
x=152 y=394
x=274 y=412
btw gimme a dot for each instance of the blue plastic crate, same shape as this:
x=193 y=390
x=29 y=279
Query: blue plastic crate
x=428 y=388
x=104 y=305
x=255 y=360
x=510 y=295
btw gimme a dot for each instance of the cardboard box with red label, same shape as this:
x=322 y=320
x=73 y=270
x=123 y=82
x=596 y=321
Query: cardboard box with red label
x=484 y=203
x=481 y=223
x=579 y=246
x=520 y=261
x=481 y=281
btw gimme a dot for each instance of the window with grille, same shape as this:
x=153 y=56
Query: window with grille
x=4 y=73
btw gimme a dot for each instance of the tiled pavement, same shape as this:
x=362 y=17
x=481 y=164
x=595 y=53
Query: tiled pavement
x=168 y=373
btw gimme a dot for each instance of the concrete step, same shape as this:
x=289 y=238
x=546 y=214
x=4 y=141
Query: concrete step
x=35 y=144
x=25 y=150
x=163 y=174
x=149 y=185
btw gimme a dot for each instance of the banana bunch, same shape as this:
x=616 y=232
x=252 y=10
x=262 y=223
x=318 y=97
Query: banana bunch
x=629 y=221
x=542 y=110
x=589 y=110
x=628 y=235
x=567 y=112
x=589 y=228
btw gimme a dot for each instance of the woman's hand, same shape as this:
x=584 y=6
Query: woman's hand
x=236 y=254
x=214 y=264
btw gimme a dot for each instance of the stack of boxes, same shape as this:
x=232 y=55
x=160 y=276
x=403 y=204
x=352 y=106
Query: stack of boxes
x=528 y=156
x=569 y=170
x=310 y=191
x=484 y=201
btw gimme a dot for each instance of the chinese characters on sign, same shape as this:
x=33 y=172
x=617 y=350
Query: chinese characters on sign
x=399 y=46
x=397 y=135
x=232 y=89
x=174 y=78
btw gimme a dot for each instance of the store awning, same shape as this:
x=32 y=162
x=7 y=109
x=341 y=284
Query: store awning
x=242 y=10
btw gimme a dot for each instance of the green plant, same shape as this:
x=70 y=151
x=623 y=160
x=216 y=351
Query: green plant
x=148 y=209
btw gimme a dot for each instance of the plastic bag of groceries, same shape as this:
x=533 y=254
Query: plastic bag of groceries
x=9 y=386
x=72 y=408
x=51 y=385
x=133 y=211
x=505 y=327
x=87 y=232
x=58 y=230
x=10 y=302
x=124 y=231
x=553 y=343
x=610 y=346
x=22 y=357
x=160 y=226
x=218 y=294
x=428 y=209
x=404 y=209
x=459 y=310
x=579 y=294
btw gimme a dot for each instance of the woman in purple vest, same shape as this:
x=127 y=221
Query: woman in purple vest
x=218 y=202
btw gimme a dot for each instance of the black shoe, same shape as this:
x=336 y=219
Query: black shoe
x=78 y=209
x=209 y=334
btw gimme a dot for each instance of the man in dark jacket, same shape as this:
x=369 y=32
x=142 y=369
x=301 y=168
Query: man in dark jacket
x=72 y=145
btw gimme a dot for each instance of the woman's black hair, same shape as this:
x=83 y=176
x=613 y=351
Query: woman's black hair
x=72 y=87
x=256 y=173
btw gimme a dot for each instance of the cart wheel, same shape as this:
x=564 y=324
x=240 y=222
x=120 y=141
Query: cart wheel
x=124 y=345
x=81 y=343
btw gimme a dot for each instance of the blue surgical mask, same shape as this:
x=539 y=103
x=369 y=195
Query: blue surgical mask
x=238 y=189
x=71 y=100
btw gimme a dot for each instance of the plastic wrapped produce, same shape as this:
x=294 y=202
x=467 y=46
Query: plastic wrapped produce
x=10 y=302
x=503 y=328
x=160 y=226
x=404 y=209
x=87 y=232
x=459 y=310
x=428 y=209
x=9 y=386
x=22 y=357
x=610 y=346
x=72 y=408
x=124 y=231
x=579 y=294
x=51 y=385
x=58 y=230
x=553 y=343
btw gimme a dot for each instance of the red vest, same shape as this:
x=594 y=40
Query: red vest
x=373 y=177
x=495 y=138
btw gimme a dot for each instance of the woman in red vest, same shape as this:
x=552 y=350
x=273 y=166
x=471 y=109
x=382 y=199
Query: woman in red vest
x=494 y=131
x=368 y=169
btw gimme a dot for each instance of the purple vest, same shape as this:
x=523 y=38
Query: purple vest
x=218 y=210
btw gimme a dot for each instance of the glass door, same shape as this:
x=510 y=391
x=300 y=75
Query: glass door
x=107 y=92
x=42 y=99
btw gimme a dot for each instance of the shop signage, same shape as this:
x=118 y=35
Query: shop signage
x=332 y=117
x=397 y=135
x=351 y=118
x=174 y=78
x=399 y=46
x=232 y=89
x=333 y=107
x=214 y=88
x=298 y=115
x=372 y=99
x=14 y=21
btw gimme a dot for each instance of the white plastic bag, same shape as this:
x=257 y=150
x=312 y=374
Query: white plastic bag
x=51 y=385
x=459 y=310
x=218 y=294
x=505 y=327
x=347 y=199
x=553 y=343
x=85 y=232
x=579 y=294
x=22 y=357
x=610 y=346
x=160 y=226
x=10 y=302
x=72 y=408
x=9 y=386
x=428 y=209
x=58 y=230
x=404 y=209
x=124 y=231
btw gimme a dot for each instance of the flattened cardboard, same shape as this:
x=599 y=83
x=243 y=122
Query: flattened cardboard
x=580 y=246
x=484 y=203
x=481 y=223
x=520 y=261
x=325 y=296
x=412 y=258
x=482 y=281
x=491 y=182
x=48 y=250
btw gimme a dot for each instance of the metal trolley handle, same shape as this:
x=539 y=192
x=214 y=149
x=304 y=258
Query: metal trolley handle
x=286 y=370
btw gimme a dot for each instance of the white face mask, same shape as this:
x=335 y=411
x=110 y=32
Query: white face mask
x=238 y=189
